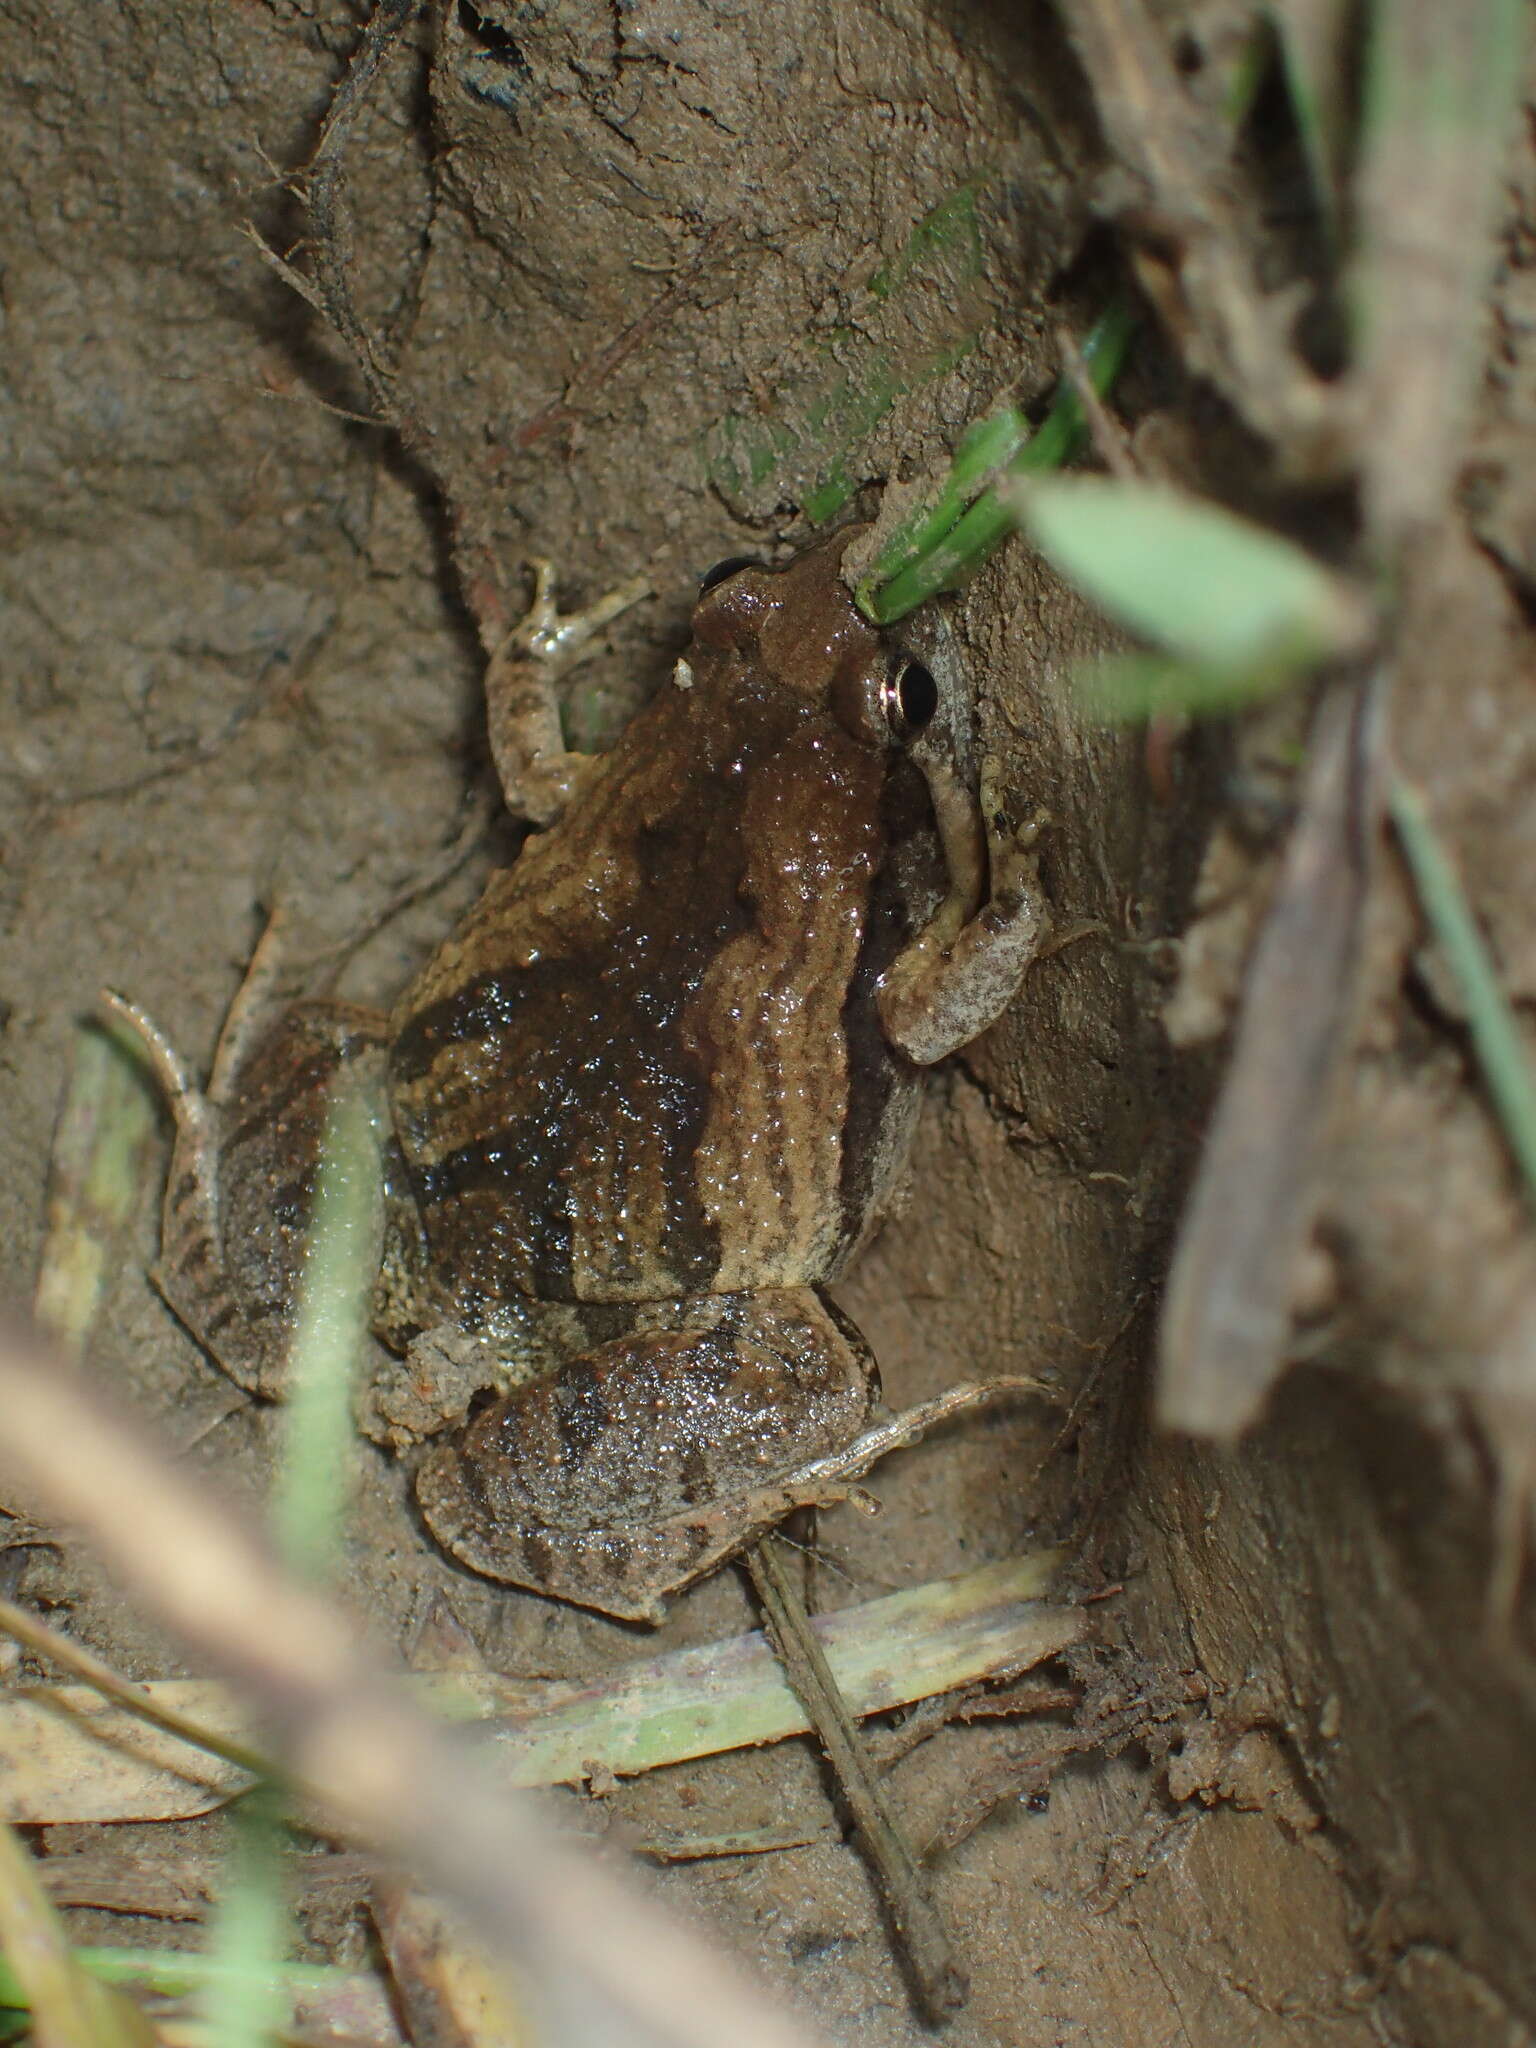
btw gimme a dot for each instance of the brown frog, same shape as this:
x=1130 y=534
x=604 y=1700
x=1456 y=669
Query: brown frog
x=650 y=1096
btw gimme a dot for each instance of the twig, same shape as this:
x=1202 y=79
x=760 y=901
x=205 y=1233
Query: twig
x=1105 y=433
x=594 y=370
x=330 y=293
x=181 y=761
x=767 y=1841
x=325 y=196
x=267 y=394
x=919 y=1932
x=1191 y=259
x=43 y=1641
x=289 y=273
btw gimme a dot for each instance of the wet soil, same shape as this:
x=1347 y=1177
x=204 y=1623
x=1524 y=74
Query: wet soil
x=654 y=278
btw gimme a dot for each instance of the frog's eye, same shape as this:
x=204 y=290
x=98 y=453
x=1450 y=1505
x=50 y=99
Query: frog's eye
x=722 y=570
x=909 y=699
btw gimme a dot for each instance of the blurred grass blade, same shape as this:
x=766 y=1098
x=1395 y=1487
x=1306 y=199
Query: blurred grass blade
x=1495 y=1035
x=341 y=1260
x=318 y=1998
x=69 y=2008
x=94 y=1176
x=243 y=2002
x=942 y=543
x=252 y=1934
x=1312 y=36
x=1190 y=577
x=1441 y=88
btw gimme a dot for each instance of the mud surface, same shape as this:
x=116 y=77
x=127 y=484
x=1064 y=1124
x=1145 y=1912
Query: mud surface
x=651 y=279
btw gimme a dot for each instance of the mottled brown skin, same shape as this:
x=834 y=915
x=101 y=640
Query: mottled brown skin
x=626 y=1077
x=648 y=1098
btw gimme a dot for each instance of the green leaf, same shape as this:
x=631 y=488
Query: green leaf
x=1194 y=580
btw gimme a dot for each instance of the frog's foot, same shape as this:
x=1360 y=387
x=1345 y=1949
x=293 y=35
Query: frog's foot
x=538 y=773
x=443 y=1371
x=643 y=1465
x=960 y=974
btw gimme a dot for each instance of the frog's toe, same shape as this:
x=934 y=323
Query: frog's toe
x=549 y=635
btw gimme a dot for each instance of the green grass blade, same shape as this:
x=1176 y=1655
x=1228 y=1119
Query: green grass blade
x=340 y=1261
x=982 y=451
x=253 y=1932
x=947 y=561
x=942 y=543
x=336 y=1995
x=242 y=2001
x=1490 y=1020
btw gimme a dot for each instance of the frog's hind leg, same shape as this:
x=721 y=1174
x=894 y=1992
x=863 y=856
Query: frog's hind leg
x=644 y=1464
x=231 y=1242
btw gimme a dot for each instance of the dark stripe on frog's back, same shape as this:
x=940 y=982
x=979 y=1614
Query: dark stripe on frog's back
x=584 y=1044
x=269 y=1153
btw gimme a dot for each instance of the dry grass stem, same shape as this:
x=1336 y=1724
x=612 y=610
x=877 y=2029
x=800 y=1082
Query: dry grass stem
x=345 y=1730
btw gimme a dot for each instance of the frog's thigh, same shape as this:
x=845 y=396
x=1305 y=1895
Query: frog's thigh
x=957 y=978
x=242 y=1184
x=641 y=1466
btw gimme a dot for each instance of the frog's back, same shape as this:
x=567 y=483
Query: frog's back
x=634 y=1071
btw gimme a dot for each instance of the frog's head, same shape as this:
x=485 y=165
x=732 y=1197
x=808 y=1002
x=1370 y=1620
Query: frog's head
x=796 y=632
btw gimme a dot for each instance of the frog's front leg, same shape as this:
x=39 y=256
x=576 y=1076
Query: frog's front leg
x=964 y=968
x=538 y=773
x=244 y=1167
x=649 y=1460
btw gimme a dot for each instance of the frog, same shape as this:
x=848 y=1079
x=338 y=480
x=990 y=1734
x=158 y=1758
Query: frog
x=649 y=1099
